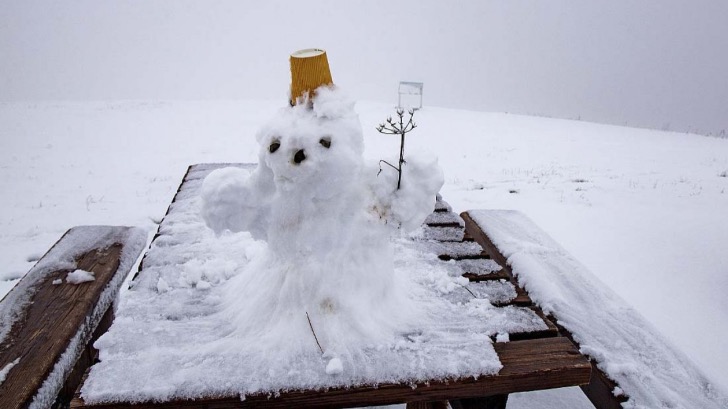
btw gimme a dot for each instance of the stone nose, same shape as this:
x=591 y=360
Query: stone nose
x=299 y=157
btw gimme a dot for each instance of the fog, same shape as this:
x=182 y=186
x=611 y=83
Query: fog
x=656 y=64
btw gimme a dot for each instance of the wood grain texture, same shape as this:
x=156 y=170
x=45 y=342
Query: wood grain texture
x=55 y=315
x=527 y=365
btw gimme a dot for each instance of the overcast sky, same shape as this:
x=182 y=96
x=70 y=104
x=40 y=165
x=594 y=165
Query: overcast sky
x=659 y=64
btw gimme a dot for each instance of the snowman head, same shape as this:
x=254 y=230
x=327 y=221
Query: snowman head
x=313 y=149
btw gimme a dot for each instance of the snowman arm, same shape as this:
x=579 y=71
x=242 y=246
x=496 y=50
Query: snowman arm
x=230 y=201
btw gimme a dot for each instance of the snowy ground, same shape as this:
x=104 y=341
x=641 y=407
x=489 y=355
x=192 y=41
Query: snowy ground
x=644 y=210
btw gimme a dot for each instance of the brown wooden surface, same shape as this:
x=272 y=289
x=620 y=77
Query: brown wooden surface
x=444 y=224
x=477 y=234
x=495 y=275
x=55 y=315
x=527 y=365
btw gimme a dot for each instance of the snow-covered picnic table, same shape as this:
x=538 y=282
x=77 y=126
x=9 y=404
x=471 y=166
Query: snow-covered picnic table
x=170 y=344
x=508 y=309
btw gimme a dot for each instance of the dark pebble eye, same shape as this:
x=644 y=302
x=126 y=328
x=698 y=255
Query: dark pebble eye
x=325 y=142
x=274 y=146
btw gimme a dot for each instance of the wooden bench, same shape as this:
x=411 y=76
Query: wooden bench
x=600 y=387
x=47 y=325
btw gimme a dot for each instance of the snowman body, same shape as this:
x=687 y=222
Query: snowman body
x=328 y=221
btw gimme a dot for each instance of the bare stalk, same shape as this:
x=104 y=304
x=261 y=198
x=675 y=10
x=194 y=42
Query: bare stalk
x=314 y=333
x=397 y=127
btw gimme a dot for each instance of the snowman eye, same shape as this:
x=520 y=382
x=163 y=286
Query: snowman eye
x=325 y=142
x=274 y=146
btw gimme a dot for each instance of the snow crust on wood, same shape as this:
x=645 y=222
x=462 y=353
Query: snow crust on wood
x=173 y=340
x=454 y=234
x=444 y=218
x=497 y=292
x=480 y=266
x=648 y=369
x=454 y=249
x=441 y=205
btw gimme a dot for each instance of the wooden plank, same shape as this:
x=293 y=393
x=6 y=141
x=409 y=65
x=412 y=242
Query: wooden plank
x=496 y=275
x=471 y=227
x=53 y=328
x=441 y=205
x=550 y=331
x=522 y=298
x=443 y=219
x=527 y=365
x=599 y=391
x=448 y=257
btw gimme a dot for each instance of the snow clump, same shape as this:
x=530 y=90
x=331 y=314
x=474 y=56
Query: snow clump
x=80 y=276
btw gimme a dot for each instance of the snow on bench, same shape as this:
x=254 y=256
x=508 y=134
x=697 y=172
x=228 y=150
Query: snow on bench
x=649 y=371
x=48 y=319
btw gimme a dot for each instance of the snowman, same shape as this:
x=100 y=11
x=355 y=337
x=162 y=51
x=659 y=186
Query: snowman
x=327 y=218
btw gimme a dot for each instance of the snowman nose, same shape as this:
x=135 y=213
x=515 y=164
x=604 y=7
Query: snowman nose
x=299 y=157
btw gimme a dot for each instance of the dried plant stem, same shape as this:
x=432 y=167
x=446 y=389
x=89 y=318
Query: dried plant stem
x=314 y=333
x=394 y=127
x=468 y=290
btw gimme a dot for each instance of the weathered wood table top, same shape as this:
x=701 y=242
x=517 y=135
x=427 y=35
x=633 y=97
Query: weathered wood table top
x=47 y=322
x=531 y=360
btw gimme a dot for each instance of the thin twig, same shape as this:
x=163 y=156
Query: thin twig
x=388 y=131
x=380 y=165
x=314 y=333
x=468 y=290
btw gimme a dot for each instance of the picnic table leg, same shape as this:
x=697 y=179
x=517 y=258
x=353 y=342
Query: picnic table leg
x=490 y=402
x=427 y=405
